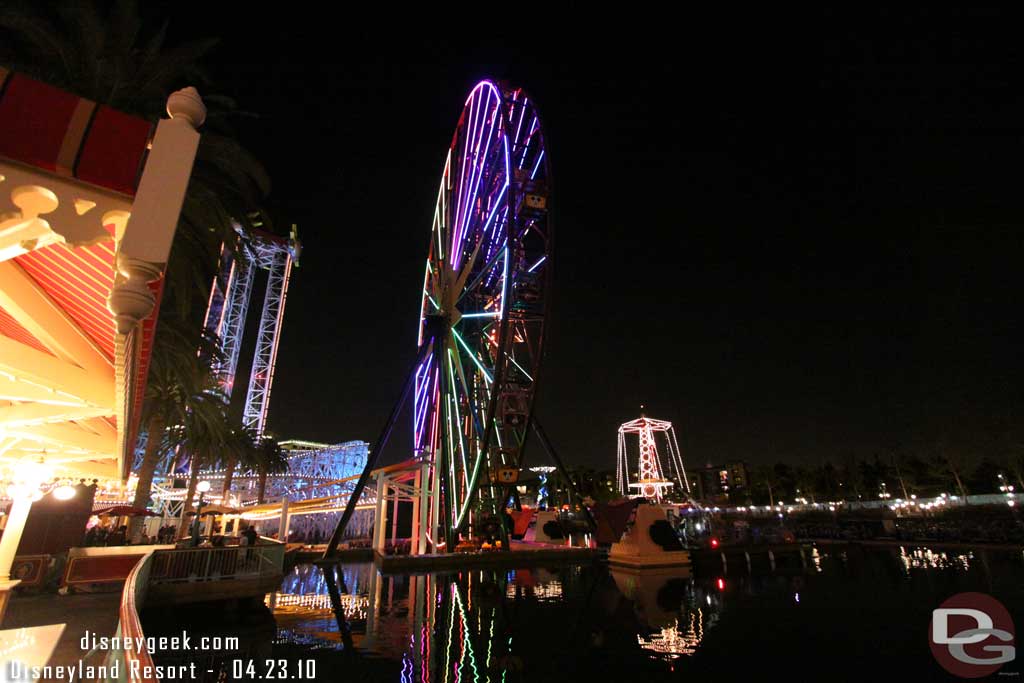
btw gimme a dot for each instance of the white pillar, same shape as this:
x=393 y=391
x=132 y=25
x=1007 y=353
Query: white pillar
x=394 y=518
x=435 y=505
x=380 y=516
x=414 y=535
x=424 y=508
x=282 y=528
x=20 y=507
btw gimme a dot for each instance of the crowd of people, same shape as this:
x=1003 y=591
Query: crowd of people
x=112 y=535
x=101 y=535
x=314 y=537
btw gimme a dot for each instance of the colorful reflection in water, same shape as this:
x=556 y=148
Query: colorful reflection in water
x=480 y=625
x=604 y=624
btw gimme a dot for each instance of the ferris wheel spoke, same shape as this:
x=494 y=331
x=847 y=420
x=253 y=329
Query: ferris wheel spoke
x=519 y=126
x=474 y=412
x=488 y=374
x=536 y=166
x=487 y=269
x=461 y=197
x=474 y=157
x=528 y=141
x=453 y=396
x=470 y=476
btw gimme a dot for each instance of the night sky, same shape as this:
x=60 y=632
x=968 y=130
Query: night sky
x=794 y=237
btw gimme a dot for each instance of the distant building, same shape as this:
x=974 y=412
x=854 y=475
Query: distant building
x=546 y=487
x=722 y=483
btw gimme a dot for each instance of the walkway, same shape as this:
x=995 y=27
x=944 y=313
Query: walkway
x=95 y=612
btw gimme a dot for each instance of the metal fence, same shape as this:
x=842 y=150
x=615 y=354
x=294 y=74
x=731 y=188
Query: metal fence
x=183 y=565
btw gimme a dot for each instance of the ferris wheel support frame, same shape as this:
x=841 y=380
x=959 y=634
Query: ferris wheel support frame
x=374 y=455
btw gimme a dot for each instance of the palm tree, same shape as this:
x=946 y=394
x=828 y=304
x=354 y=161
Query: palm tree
x=242 y=448
x=205 y=433
x=953 y=461
x=270 y=459
x=180 y=381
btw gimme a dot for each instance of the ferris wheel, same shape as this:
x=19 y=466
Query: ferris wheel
x=480 y=331
x=486 y=287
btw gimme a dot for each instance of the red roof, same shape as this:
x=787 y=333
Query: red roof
x=45 y=127
x=79 y=280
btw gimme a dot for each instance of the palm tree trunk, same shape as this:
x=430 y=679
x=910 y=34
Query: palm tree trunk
x=186 y=506
x=959 y=484
x=262 y=486
x=149 y=462
x=229 y=474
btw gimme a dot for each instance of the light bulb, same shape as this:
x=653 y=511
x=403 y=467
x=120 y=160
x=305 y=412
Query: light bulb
x=64 y=492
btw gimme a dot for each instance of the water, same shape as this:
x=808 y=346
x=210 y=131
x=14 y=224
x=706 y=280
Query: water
x=851 y=613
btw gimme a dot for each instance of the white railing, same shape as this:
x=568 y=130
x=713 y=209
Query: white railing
x=182 y=565
x=132 y=665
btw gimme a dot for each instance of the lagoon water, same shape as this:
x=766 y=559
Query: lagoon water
x=849 y=613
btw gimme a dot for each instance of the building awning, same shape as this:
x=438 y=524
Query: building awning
x=89 y=201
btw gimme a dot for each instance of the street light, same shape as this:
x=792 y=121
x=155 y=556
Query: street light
x=64 y=492
x=26 y=481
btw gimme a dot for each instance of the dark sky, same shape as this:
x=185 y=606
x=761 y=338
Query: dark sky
x=795 y=237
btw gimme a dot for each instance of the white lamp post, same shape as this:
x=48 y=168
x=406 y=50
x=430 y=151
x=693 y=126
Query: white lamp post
x=24 y=489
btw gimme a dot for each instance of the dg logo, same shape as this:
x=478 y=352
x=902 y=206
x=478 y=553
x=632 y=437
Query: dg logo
x=972 y=635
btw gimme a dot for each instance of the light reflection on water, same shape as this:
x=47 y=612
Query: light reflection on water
x=926 y=558
x=465 y=624
x=538 y=623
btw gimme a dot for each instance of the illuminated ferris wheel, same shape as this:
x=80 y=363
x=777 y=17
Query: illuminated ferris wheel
x=650 y=479
x=485 y=293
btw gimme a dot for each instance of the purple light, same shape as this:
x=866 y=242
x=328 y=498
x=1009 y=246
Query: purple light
x=477 y=169
x=519 y=127
x=529 y=139
x=537 y=165
x=471 y=101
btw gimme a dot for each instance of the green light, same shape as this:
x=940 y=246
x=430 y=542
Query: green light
x=458 y=419
x=472 y=356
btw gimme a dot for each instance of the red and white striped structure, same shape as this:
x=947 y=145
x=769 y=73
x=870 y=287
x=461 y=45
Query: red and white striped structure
x=89 y=202
x=649 y=479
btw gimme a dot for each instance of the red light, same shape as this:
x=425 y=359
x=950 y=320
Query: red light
x=721 y=584
x=714 y=542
